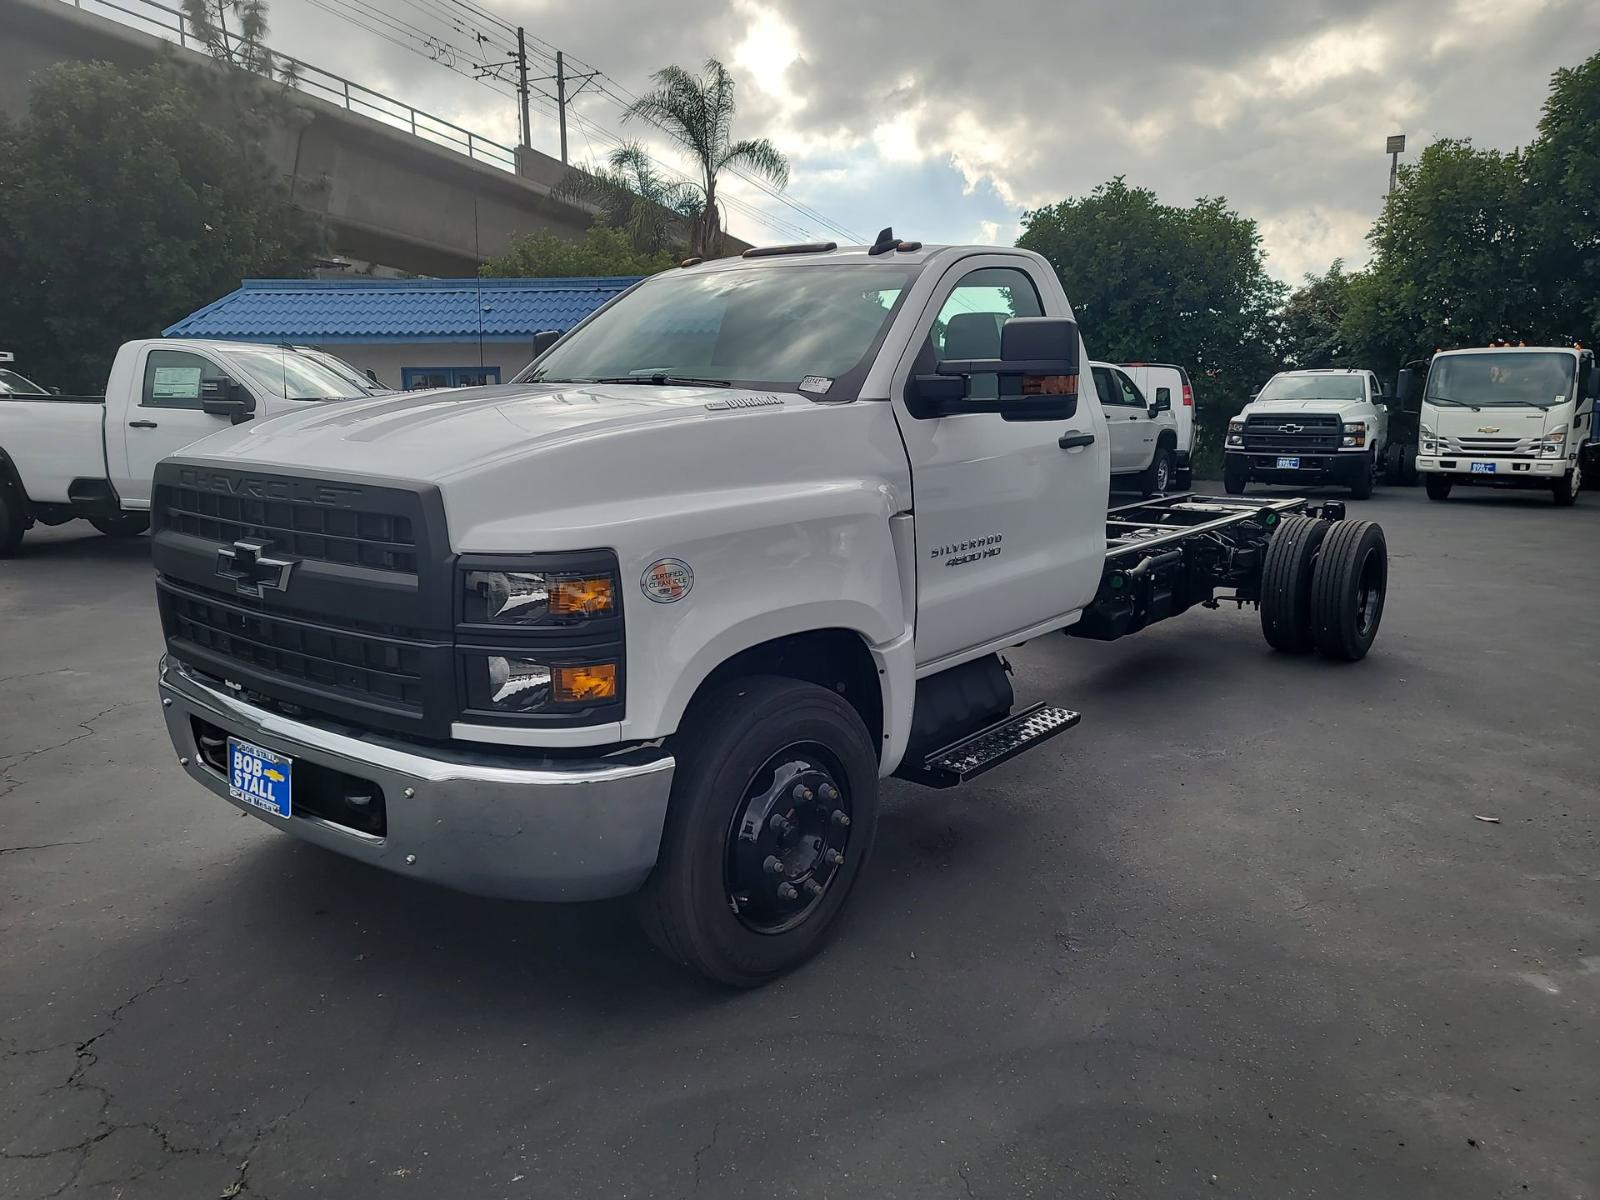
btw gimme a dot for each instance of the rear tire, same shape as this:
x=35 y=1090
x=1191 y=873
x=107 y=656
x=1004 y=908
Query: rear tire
x=122 y=524
x=1286 y=584
x=704 y=905
x=1348 y=589
x=1438 y=487
x=1567 y=488
x=1183 y=479
x=1361 y=486
x=12 y=521
x=1157 y=477
x=1234 y=479
x=1394 y=465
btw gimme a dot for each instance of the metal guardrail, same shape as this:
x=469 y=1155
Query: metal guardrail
x=168 y=23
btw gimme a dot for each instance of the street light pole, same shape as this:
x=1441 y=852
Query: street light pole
x=522 y=84
x=1395 y=146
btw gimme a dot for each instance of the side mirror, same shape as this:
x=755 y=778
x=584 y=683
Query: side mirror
x=373 y=376
x=55 y=391
x=1593 y=390
x=1161 y=404
x=1038 y=369
x=226 y=398
x=544 y=339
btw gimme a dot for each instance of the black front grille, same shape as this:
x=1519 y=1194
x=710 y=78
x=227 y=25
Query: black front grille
x=359 y=665
x=1297 y=433
x=302 y=528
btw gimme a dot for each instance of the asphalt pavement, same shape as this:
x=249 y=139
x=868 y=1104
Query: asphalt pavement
x=1242 y=933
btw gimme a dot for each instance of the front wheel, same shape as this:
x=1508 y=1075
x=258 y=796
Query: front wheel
x=1361 y=485
x=1286 y=584
x=1234 y=479
x=1157 y=477
x=773 y=814
x=122 y=524
x=12 y=521
x=1438 y=487
x=1566 y=488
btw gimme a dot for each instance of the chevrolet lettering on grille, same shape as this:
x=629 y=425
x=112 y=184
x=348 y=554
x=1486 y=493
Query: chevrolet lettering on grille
x=245 y=564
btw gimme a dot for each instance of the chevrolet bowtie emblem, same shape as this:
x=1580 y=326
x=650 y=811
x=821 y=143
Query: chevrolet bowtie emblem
x=1288 y=429
x=246 y=565
x=1488 y=429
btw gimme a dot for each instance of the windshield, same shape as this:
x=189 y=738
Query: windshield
x=344 y=370
x=11 y=382
x=1499 y=380
x=1313 y=387
x=279 y=371
x=752 y=327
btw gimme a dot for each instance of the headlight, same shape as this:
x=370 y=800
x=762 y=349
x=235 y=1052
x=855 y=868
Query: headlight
x=1355 y=433
x=536 y=597
x=1235 y=432
x=514 y=684
x=1555 y=443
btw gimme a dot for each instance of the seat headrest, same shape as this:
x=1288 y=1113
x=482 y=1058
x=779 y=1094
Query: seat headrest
x=973 y=335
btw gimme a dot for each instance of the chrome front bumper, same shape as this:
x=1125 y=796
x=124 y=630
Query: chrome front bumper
x=506 y=824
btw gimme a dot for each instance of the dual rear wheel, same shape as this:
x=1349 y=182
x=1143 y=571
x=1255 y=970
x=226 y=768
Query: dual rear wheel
x=1323 y=587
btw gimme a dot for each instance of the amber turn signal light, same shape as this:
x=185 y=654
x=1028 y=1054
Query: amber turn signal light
x=584 y=684
x=582 y=597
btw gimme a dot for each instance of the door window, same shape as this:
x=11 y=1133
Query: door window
x=172 y=379
x=1164 y=394
x=968 y=324
x=1131 y=395
x=1106 y=388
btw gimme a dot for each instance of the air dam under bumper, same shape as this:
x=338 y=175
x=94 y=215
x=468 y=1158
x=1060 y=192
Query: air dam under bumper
x=1341 y=467
x=494 y=824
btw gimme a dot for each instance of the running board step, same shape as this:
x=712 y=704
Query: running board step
x=990 y=746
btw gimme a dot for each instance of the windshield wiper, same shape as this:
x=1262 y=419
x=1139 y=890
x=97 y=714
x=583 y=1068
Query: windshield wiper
x=1447 y=400
x=660 y=379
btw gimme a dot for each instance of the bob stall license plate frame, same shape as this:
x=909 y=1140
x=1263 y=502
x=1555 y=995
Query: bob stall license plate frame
x=261 y=778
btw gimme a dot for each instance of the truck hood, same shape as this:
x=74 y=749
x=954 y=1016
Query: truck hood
x=1285 y=407
x=436 y=435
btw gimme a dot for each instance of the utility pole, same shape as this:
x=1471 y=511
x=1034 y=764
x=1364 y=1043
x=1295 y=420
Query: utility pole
x=522 y=86
x=1396 y=146
x=561 y=101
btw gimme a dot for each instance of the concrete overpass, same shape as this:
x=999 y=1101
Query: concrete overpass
x=433 y=203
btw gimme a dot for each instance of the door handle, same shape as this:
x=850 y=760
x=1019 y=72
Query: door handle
x=1074 y=439
x=141 y=425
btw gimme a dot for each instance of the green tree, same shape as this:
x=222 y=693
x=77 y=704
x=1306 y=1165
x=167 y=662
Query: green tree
x=697 y=111
x=125 y=205
x=604 y=252
x=245 y=44
x=1311 y=324
x=1451 y=263
x=1156 y=283
x=629 y=194
x=1563 y=166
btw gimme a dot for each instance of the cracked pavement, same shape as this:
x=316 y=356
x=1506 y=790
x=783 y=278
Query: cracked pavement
x=1237 y=935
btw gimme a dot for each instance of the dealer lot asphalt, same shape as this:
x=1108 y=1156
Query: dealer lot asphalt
x=1239 y=934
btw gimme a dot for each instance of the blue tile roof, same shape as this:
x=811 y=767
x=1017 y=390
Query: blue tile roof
x=324 y=311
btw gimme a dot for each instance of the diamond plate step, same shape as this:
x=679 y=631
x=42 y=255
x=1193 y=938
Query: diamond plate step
x=990 y=746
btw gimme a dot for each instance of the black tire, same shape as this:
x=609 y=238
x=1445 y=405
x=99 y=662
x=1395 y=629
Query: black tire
x=1183 y=479
x=1286 y=584
x=1409 y=474
x=1348 y=588
x=122 y=524
x=1566 y=489
x=13 y=522
x=1361 y=485
x=1438 y=487
x=1234 y=479
x=727 y=748
x=1157 y=477
x=1394 y=465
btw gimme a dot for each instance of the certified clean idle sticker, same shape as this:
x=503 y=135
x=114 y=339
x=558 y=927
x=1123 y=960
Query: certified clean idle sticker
x=667 y=580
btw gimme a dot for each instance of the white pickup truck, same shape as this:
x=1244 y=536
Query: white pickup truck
x=659 y=614
x=65 y=457
x=1310 y=427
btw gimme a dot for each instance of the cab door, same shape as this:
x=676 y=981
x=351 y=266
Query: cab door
x=167 y=417
x=1009 y=516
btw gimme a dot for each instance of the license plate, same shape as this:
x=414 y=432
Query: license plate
x=1288 y=464
x=1483 y=468
x=260 y=777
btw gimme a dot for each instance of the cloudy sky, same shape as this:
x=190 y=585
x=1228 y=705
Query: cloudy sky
x=948 y=119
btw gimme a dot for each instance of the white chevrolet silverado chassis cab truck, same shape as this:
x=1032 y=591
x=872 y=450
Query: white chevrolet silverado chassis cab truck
x=1310 y=427
x=657 y=616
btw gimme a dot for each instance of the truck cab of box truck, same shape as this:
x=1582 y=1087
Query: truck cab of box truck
x=1506 y=416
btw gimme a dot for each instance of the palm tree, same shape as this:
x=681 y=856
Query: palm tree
x=697 y=110
x=243 y=46
x=628 y=194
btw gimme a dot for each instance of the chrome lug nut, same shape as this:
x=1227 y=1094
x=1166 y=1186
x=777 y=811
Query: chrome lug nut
x=841 y=818
x=829 y=792
x=832 y=857
x=773 y=865
x=803 y=793
x=779 y=823
x=788 y=892
x=813 y=888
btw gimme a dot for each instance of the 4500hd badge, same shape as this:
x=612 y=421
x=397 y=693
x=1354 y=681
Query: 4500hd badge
x=957 y=553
